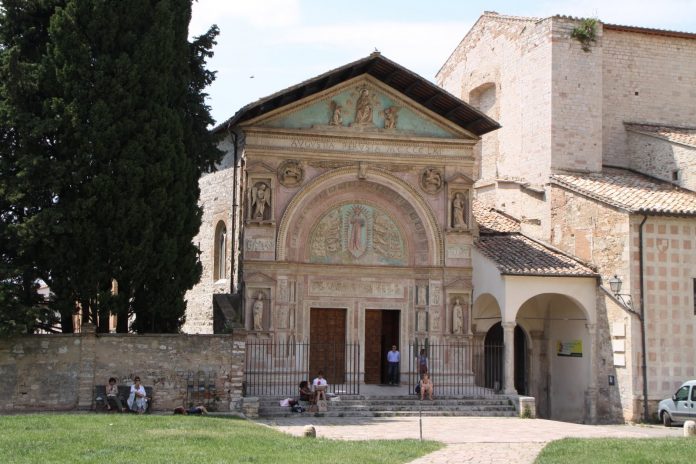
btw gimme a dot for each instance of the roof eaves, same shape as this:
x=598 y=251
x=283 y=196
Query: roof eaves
x=575 y=189
x=651 y=31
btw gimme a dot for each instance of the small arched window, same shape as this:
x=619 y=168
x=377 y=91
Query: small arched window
x=220 y=255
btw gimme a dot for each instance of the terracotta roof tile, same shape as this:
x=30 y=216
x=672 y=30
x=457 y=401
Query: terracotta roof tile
x=492 y=221
x=631 y=191
x=683 y=135
x=515 y=254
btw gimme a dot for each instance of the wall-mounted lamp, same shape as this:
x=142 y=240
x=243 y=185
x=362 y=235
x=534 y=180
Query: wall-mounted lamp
x=615 y=286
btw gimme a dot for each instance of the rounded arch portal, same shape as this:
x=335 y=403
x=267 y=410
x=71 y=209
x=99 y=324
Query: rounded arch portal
x=381 y=195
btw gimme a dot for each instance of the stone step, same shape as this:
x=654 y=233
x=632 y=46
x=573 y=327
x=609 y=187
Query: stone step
x=371 y=406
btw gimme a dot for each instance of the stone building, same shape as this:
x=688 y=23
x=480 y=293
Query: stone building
x=369 y=207
x=595 y=157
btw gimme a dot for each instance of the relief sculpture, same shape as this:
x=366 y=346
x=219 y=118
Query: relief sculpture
x=260 y=201
x=357 y=234
x=335 y=110
x=290 y=173
x=431 y=180
x=390 y=117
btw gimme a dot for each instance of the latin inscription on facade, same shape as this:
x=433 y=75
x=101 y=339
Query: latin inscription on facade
x=458 y=251
x=358 y=289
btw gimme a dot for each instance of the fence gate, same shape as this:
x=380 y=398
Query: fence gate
x=276 y=369
x=472 y=369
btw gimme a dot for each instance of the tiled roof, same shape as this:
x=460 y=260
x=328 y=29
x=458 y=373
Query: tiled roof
x=683 y=135
x=491 y=221
x=631 y=191
x=515 y=254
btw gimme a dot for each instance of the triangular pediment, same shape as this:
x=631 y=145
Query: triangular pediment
x=260 y=166
x=259 y=278
x=460 y=178
x=366 y=106
x=399 y=83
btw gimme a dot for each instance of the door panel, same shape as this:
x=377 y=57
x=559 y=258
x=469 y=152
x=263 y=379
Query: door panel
x=373 y=346
x=327 y=337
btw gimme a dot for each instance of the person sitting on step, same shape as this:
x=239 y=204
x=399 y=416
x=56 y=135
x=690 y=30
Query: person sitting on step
x=426 y=386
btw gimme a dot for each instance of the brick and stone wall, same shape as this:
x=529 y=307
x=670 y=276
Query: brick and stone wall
x=217 y=202
x=58 y=372
x=661 y=158
x=647 y=78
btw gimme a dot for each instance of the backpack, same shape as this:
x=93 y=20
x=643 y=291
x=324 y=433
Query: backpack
x=417 y=389
x=298 y=408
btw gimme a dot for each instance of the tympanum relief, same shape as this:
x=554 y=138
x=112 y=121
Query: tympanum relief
x=390 y=117
x=357 y=234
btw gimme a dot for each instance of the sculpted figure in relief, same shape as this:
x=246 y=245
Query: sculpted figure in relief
x=257 y=310
x=260 y=199
x=290 y=173
x=336 y=119
x=457 y=317
x=431 y=180
x=363 y=109
x=390 y=117
x=421 y=299
x=459 y=211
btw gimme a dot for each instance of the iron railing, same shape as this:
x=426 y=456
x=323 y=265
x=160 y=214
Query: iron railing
x=461 y=368
x=276 y=369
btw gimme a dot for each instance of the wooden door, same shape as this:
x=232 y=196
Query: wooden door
x=390 y=336
x=373 y=346
x=327 y=338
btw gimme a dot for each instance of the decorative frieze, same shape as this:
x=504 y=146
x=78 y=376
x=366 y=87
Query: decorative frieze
x=357 y=289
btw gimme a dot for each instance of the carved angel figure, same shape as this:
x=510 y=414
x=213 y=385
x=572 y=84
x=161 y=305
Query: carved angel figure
x=260 y=199
x=335 y=114
x=390 y=117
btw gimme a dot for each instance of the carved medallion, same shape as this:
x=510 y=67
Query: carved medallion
x=431 y=180
x=290 y=173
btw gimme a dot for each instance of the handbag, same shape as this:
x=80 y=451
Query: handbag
x=417 y=389
x=322 y=406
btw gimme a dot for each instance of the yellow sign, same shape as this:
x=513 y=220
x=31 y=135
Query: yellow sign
x=570 y=348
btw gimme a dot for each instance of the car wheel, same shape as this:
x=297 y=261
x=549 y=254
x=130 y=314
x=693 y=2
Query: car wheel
x=666 y=419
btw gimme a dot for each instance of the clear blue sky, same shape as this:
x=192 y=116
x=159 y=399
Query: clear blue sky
x=283 y=42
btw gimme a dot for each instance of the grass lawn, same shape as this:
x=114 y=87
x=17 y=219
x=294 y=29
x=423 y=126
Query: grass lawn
x=619 y=451
x=118 y=438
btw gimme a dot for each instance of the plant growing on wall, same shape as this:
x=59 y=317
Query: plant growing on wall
x=585 y=33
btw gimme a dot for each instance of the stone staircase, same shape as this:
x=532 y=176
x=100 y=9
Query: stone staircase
x=393 y=406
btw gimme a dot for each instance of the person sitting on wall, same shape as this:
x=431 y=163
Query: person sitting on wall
x=193 y=411
x=319 y=385
x=306 y=393
x=112 y=396
x=137 y=400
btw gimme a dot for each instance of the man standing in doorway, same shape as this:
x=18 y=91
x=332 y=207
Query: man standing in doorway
x=393 y=358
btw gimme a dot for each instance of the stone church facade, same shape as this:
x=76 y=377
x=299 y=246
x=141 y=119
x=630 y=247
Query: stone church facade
x=367 y=204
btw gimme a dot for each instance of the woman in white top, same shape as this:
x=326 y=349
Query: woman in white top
x=137 y=400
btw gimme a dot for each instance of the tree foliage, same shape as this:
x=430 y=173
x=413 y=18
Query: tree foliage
x=125 y=111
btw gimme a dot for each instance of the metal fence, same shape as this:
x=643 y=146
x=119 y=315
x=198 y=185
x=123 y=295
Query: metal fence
x=276 y=369
x=462 y=368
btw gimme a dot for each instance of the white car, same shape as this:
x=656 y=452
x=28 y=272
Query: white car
x=681 y=407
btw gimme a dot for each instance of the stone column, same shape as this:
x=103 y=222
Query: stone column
x=509 y=369
x=88 y=355
x=591 y=393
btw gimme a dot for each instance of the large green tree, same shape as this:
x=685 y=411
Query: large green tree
x=127 y=105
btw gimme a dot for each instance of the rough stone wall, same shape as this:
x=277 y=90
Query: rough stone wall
x=217 y=202
x=646 y=78
x=514 y=54
x=660 y=158
x=49 y=372
x=576 y=100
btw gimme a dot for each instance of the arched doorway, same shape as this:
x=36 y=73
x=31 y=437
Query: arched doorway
x=494 y=360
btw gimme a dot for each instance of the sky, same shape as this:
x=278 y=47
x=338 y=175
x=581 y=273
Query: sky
x=268 y=45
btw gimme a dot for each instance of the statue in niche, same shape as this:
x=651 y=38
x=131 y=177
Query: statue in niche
x=282 y=317
x=458 y=211
x=260 y=200
x=257 y=310
x=431 y=180
x=363 y=109
x=290 y=173
x=457 y=317
x=336 y=119
x=390 y=117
